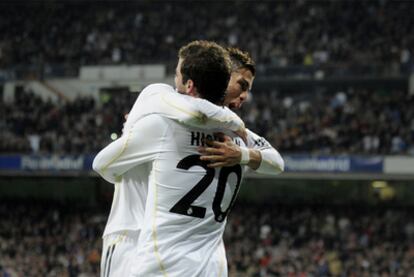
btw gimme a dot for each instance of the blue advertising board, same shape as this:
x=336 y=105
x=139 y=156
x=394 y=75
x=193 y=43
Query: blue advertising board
x=46 y=163
x=293 y=163
x=345 y=164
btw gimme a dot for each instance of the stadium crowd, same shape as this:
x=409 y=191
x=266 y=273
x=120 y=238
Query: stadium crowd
x=55 y=239
x=32 y=125
x=49 y=239
x=280 y=33
x=349 y=122
x=320 y=241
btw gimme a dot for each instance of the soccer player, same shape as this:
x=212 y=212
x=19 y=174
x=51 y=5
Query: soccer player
x=260 y=155
x=160 y=149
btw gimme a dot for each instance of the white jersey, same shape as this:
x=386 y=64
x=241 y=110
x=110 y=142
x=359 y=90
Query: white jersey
x=131 y=189
x=187 y=202
x=128 y=203
x=131 y=186
x=130 y=194
x=272 y=162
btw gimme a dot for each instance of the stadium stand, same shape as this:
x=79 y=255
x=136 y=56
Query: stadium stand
x=269 y=240
x=357 y=121
x=31 y=125
x=276 y=33
x=56 y=239
x=49 y=239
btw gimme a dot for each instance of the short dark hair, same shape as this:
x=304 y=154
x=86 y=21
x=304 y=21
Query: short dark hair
x=241 y=59
x=208 y=65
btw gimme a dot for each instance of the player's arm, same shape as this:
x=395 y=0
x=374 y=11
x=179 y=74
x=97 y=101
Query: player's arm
x=271 y=162
x=259 y=155
x=196 y=112
x=138 y=145
x=200 y=113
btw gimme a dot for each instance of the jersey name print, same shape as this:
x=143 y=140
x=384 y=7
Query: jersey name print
x=200 y=138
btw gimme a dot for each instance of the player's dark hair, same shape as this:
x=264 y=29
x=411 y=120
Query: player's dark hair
x=241 y=59
x=208 y=65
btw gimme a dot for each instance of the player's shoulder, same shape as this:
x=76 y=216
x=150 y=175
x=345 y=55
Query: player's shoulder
x=154 y=117
x=156 y=88
x=251 y=134
x=152 y=123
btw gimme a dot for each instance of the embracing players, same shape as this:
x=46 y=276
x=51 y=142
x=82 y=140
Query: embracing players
x=170 y=205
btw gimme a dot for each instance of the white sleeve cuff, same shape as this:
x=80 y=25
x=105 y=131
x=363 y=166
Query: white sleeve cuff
x=245 y=155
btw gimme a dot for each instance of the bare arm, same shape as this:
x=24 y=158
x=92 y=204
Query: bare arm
x=227 y=153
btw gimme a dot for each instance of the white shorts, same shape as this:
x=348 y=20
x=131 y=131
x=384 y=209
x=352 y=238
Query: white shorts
x=116 y=251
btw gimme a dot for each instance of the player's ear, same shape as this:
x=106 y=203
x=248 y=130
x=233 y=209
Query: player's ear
x=191 y=89
x=189 y=85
